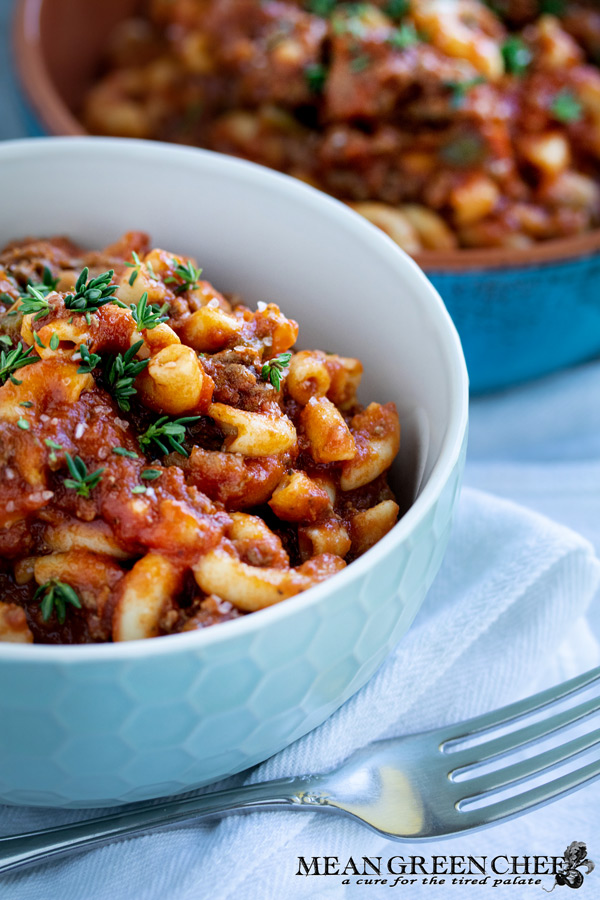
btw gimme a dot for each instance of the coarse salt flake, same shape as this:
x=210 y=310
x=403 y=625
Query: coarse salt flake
x=261 y=306
x=9 y=474
x=213 y=304
x=80 y=430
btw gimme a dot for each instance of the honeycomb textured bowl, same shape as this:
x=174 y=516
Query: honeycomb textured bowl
x=105 y=724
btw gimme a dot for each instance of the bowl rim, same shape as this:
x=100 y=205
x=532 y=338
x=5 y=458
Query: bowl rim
x=59 y=120
x=380 y=246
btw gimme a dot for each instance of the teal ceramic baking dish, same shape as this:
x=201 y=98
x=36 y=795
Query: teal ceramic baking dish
x=520 y=314
x=521 y=322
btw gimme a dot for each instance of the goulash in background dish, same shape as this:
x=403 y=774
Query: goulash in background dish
x=448 y=123
x=167 y=460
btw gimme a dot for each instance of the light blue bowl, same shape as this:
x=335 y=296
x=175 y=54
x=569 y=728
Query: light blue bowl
x=112 y=723
x=520 y=322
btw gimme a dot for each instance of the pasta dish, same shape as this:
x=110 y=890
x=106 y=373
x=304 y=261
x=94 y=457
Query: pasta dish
x=168 y=460
x=447 y=123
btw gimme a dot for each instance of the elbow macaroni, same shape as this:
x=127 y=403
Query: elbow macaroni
x=165 y=467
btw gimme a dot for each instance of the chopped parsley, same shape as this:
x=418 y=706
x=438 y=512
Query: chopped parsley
x=81 y=481
x=271 y=371
x=55 y=596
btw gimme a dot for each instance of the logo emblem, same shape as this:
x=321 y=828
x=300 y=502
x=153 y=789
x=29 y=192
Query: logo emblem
x=574 y=858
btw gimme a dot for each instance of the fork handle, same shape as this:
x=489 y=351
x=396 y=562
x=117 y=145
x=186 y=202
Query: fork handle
x=26 y=849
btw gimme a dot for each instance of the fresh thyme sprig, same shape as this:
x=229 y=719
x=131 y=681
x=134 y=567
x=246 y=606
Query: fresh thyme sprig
x=81 y=482
x=12 y=360
x=46 y=285
x=164 y=432
x=90 y=295
x=186 y=277
x=271 y=371
x=135 y=265
x=34 y=302
x=55 y=597
x=89 y=361
x=120 y=372
x=148 y=315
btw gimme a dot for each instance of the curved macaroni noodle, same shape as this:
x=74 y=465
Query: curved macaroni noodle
x=168 y=460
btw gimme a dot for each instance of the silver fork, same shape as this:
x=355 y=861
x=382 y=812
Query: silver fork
x=411 y=788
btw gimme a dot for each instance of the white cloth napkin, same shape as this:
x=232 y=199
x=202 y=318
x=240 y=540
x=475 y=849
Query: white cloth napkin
x=513 y=587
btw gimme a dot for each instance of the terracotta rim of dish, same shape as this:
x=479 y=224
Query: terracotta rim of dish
x=58 y=120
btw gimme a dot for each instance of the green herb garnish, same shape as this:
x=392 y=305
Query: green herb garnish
x=186 y=277
x=55 y=597
x=47 y=285
x=89 y=361
x=553 y=7
x=322 y=8
x=271 y=371
x=566 y=107
x=120 y=372
x=148 y=316
x=138 y=489
x=316 y=76
x=395 y=9
x=90 y=295
x=23 y=423
x=165 y=432
x=53 y=446
x=135 y=265
x=12 y=360
x=403 y=37
x=517 y=55
x=460 y=89
x=81 y=482
x=34 y=302
x=121 y=451
x=54 y=341
x=360 y=63
x=26 y=403
x=6 y=340
x=151 y=474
